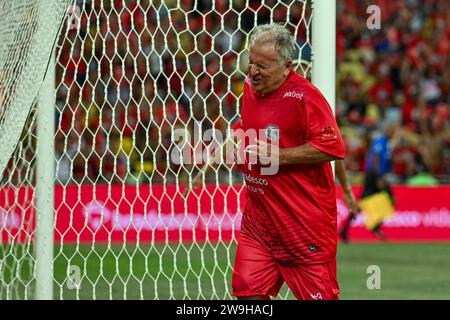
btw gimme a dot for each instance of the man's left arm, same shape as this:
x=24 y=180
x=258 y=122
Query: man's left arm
x=323 y=142
x=304 y=154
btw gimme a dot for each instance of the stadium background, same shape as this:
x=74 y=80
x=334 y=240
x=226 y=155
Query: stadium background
x=113 y=123
x=398 y=73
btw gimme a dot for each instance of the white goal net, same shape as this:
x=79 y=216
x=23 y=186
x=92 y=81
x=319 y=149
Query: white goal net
x=128 y=74
x=28 y=33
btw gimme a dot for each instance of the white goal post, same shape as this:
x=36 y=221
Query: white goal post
x=123 y=76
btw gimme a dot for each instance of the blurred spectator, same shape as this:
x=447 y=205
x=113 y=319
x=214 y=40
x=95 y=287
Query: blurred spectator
x=419 y=174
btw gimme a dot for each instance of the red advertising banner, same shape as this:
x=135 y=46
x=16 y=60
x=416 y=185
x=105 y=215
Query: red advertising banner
x=160 y=214
x=421 y=214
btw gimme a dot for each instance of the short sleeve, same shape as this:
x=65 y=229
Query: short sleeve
x=323 y=131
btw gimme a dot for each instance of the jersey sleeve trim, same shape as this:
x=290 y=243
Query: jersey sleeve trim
x=333 y=152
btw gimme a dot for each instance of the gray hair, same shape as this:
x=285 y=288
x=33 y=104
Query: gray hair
x=278 y=35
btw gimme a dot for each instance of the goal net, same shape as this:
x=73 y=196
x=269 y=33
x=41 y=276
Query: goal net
x=28 y=32
x=130 y=75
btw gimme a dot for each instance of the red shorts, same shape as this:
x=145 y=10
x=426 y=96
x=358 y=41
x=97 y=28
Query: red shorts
x=257 y=273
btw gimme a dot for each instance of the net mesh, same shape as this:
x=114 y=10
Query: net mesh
x=128 y=75
x=27 y=37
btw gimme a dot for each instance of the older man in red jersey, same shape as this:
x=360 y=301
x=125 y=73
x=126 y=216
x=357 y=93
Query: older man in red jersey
x=288 y=231
x=289 y=225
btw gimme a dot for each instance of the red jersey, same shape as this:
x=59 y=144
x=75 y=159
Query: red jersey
x=292 y=212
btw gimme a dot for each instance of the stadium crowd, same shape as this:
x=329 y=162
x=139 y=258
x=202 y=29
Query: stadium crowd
x=399 y=74
x=128 y=74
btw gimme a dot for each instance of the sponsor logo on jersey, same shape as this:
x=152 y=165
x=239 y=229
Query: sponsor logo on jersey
x=293 y=94
x=272 y=132
x=328 y=133
x=255 y=180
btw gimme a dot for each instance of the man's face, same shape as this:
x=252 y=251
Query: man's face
x=264 y=68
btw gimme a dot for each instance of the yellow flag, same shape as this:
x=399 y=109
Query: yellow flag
x=376 y=208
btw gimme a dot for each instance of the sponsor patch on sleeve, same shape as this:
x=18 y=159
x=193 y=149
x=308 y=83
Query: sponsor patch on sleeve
x=328 y=133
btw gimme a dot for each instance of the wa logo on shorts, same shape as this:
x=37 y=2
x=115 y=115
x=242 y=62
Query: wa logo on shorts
x=272 y=132
x=317 y=296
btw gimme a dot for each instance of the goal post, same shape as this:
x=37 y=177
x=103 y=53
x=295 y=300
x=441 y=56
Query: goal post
x=324 y=48
x=45 y=174
x=121 y=84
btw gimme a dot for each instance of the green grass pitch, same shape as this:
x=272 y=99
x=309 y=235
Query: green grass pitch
x=408 y=271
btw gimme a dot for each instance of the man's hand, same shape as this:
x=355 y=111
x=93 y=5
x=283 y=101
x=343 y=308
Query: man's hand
x=350 y=201
x=263 y=152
